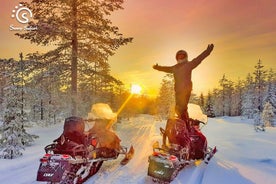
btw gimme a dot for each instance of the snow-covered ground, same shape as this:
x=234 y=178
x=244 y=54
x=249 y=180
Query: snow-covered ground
x=244 y=156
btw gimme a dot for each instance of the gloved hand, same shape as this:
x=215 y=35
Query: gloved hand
x=210 y=48
x=155 y=66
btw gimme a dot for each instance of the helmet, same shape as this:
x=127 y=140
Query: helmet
x=181 y=54
x=101 y=111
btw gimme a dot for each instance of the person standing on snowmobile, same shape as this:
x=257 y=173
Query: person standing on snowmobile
x=182 y=72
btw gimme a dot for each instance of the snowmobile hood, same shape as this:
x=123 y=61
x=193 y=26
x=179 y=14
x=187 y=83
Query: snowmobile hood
x=196 y=113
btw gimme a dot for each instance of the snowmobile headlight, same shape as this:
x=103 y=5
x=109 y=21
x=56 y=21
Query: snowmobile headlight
x=45 y=158
x=65 y=156
x=173 y=158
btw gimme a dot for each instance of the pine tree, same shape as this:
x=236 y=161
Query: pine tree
x=270 y=94
x=14 y=136
x=259 y=82
x=223 y=84
x=268 y=115
x=11 y=144
x=83 y=34
x=237 y=99
x=166 y=98
x=217 y=99
x=209 y=107
x=201 y=100
x=2 y=82
x=248 y=96
x=226 y=95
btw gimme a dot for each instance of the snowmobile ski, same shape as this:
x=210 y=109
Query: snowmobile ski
x=210 y=155
x=128 y=156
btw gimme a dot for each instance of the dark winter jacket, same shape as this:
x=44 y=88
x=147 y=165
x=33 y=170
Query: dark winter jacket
x=183 y=71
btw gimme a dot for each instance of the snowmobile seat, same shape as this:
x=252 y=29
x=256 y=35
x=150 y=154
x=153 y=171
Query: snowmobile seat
x=73 y=129
x=72 y=141
x=176 y=131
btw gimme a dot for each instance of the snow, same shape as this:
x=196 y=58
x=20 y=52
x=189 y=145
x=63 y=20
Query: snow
x=23 y=169
x=244 y=156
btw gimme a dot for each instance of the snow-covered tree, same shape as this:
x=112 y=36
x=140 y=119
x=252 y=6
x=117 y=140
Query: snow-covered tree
x=226 y=95
x=201 y=101
x=268 y=115
x=166 y=98
x=223 y=84
x=11 y=143
x=270 y=94
x=260 y=76
x=209 y=106
x=248 y=96
x=237 y=98
x=260 y=83
x=217 y=99
x=2 y=82
x=14 y=136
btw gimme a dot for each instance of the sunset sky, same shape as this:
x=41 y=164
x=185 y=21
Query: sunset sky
x=243 y=31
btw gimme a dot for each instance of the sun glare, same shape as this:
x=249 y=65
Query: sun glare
x=135 y=89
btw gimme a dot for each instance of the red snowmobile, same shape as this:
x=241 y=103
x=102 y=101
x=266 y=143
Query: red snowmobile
x=75 y=156
x=186 y=144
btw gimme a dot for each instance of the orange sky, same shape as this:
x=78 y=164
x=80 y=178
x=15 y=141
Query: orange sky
x=243 y=32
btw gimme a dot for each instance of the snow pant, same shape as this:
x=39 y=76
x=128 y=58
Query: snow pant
x=181 y=103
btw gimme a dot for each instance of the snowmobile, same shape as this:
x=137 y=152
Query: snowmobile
x=75 y=156
x=186 y=146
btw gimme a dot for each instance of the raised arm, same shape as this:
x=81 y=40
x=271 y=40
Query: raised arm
x=167 y=69
x=195 y=62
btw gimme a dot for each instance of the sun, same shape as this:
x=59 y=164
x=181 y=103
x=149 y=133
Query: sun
x=135 y=89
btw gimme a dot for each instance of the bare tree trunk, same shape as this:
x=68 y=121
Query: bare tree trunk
x=74 y=61
x=41 y=110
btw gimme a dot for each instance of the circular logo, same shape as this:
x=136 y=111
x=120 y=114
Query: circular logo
x=21 y=14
